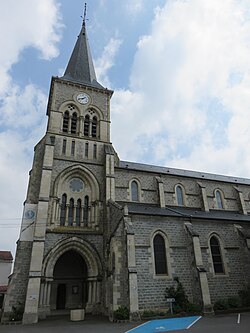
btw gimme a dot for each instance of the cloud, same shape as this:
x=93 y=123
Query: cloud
x=134 y=6
x=106 y=60
x=191 y=76
x=37 y=24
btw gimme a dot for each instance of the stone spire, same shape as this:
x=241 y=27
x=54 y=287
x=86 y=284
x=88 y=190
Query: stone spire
x=80 y=67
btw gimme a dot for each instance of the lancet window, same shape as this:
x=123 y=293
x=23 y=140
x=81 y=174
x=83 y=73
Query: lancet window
x=72 y=214
x=160 y=258
x=179 y=195
x=70 y=120
x=219 y=199
x=216 y=255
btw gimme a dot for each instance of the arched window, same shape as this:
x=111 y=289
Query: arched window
x=63 y=209
x=134 y=191
x=219 y=200
x=66 y=121
x=179 y=195
x=160 y=258
x=216 y=255
x=78 y=212
x=86 y=210
x=86 y=125
x=94 y=127
x=74 y=123
x=71 y=211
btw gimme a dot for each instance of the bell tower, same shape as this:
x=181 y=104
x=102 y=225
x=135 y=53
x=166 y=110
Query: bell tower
x=64 y=217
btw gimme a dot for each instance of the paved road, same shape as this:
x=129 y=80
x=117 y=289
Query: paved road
x=221 y=324
x=213 y=324
x=64 y=325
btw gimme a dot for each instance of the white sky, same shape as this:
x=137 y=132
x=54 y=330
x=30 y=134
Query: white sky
x=180 y=70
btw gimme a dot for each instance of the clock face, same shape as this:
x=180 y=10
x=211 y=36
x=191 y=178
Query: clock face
x=82 y=98
x=76 y=185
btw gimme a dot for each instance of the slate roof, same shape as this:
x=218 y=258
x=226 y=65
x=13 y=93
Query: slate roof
x=80 y=67
x=145 y=209
x=181 y=172
x=6 y=255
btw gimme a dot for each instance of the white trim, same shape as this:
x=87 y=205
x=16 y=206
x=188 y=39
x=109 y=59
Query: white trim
x=138 y=326
x=193 y=322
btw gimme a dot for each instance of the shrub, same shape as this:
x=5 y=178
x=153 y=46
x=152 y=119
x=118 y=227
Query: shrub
x=233 y=302
x=17 y=312
x=194 y=308
x=148 y=313
x=221 y=305
x=152 y=313
x=122 y=313
x=178 y=293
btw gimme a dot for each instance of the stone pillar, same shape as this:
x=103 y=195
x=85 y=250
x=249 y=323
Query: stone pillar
x=204 y=196
x=133 y=286
x=81 y=125
x=110 y=173
x=202 y=274
x=161 y=192
x=30 y=315
x=241 y=200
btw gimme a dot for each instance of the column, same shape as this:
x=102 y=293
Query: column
x=133 y=286
x=241 y=200
x=30 y=315
x=204 y=196
x=202 y=274
x=81 y=120
x=161 y=192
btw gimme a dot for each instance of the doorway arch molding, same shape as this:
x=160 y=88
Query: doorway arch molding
x=87 y=252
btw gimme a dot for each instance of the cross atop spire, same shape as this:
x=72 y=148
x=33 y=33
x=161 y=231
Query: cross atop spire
x=84 y=14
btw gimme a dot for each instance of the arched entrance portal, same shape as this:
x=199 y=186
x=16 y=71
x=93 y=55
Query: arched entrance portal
x=69 y=288
x=72 y=278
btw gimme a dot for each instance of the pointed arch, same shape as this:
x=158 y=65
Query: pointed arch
x=160 y=254
x=66 y=121
x=74 y=123
x=216 y=254
x=86 y=125
x=71 y=212
x=78 y=212
x=94 y=127
x=63 y=209
x=87 y=251
x=180 y=195
x=219 y=198
x=135 y=190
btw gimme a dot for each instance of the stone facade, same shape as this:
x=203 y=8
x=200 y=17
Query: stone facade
x=130 y=229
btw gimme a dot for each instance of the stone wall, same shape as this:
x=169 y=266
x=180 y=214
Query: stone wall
x=16 y=293
x=151 y=288
x=191 y=187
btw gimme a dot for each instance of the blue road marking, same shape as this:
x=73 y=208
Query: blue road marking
x=165 y=325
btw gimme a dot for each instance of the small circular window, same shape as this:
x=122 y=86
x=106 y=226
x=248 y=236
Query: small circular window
x=76 y=185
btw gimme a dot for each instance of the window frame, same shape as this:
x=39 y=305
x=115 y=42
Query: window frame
x=136 y=181
x=179 y=189
x=219 y=199
x=168 y=274
x=221 y=255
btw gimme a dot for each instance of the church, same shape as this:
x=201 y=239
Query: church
x=99 y=233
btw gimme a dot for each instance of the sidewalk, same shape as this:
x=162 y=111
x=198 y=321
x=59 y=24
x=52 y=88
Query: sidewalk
x=62 y=324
